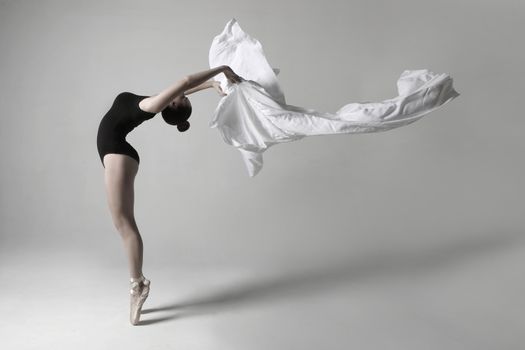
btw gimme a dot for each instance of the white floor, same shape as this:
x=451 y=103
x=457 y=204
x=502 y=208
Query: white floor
x=462 y=296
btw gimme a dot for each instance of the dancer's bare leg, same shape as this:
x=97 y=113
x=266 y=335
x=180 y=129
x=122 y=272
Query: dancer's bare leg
x=119 y=177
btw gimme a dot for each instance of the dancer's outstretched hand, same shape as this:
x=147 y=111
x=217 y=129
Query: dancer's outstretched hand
x=217 y=86
x=232 y=77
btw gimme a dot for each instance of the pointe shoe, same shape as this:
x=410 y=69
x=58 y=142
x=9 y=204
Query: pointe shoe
x=139 y=293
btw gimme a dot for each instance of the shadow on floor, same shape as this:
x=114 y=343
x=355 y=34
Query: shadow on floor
x=383 y=266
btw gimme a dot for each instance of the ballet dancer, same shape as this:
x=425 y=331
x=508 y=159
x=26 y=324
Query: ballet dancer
x=121 y=161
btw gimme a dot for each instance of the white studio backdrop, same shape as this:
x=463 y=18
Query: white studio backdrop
x=420 y=192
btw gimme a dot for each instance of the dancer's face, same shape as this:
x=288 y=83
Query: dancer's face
x=178 y=100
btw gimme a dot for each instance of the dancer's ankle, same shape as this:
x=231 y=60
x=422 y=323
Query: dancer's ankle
x=137 y=279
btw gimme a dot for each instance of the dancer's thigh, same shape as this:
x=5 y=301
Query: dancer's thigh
x=119 y=177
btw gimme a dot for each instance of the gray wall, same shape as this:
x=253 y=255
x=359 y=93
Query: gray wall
x=450 y=176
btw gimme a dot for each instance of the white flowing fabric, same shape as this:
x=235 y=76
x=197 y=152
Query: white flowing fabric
x=254 y=115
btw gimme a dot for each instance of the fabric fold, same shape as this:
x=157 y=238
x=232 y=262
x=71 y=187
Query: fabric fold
x=254 y=116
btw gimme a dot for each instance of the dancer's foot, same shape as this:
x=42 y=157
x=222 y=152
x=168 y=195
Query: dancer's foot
x=139 y=292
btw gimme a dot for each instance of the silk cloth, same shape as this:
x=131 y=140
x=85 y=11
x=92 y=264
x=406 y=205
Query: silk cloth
x=254 y=115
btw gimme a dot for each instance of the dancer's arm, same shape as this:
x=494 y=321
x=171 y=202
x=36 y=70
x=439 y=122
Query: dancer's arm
x=157 y=103
x=206 y=85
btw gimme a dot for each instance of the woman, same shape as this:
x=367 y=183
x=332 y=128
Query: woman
x=121 y=161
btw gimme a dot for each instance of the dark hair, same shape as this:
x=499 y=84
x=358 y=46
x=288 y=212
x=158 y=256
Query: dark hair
x=178 y=115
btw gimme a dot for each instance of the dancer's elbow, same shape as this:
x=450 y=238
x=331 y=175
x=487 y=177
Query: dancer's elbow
x=184 y=82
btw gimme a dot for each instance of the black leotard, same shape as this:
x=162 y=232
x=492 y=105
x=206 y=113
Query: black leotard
x=123 y=116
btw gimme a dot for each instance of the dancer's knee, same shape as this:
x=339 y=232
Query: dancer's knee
x=125 y=225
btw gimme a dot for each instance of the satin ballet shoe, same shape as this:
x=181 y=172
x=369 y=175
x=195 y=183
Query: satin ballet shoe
x=139 y=293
